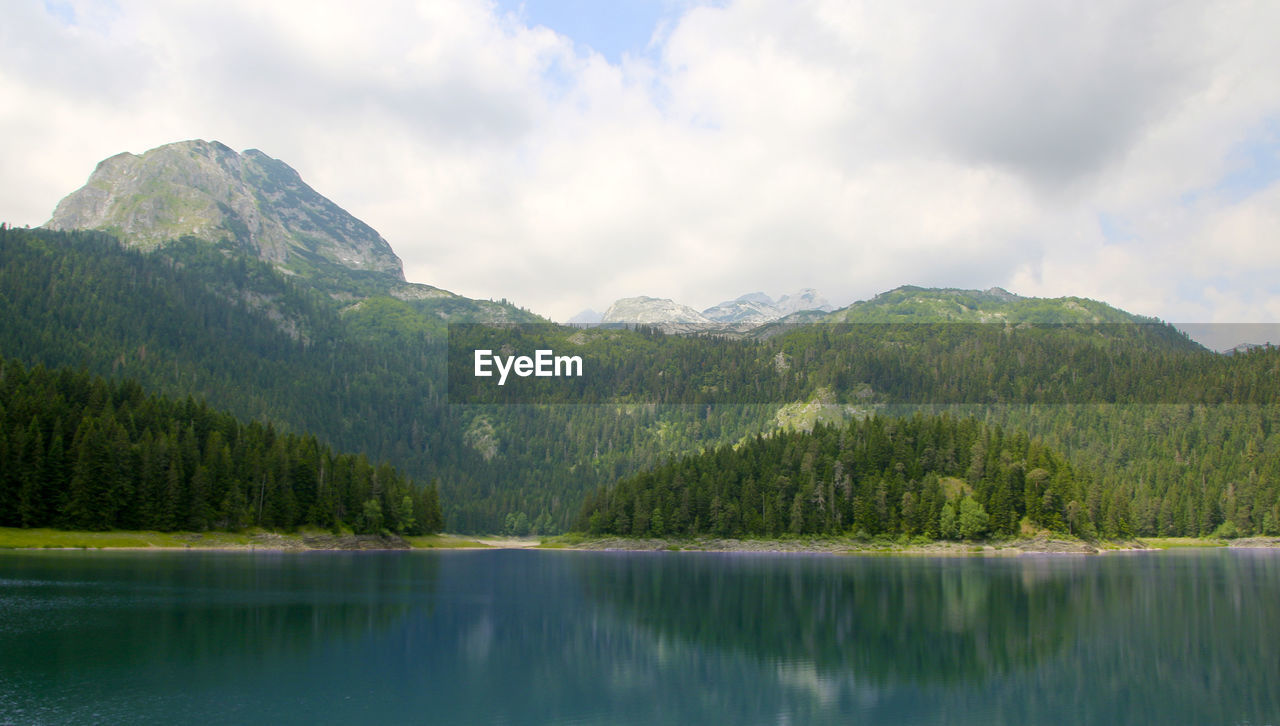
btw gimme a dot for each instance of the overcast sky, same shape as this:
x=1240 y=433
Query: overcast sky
x=565 y=154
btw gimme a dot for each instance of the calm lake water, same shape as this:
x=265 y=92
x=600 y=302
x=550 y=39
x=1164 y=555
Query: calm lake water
x=512 y=637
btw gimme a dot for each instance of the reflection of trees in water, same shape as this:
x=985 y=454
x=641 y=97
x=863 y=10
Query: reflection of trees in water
x=877 y=620
x=1142 y=638
x=515 y=640
x=556 y=637
x=106 y=610
x=1180 y=637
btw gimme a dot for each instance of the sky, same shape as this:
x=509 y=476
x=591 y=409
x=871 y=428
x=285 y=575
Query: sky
x=565 y=154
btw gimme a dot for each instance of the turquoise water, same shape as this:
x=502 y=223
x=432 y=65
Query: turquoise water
x=515 y=637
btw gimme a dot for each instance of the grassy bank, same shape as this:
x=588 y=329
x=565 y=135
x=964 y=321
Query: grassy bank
x=1170 y=543
x=445 y=542
x=15 y=538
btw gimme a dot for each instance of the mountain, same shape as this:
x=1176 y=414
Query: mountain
x=189 y=319
x=253 y=205
x=587 y=317
x=205 y=190
x=919 y=304
x=752 y=309
x=755 y=309
x=910 y=305
x=741 y=314
x=759 y=314
x=806 y=299
x=318 y=339
x=369 y=377
x=667 y=315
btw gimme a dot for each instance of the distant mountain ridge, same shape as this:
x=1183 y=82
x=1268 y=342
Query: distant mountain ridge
x=909 y=303
x=741 y=314
x=587 y=317
x=756 y=313
x=662 y=313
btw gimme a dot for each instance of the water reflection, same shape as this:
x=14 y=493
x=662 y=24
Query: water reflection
x=84 y=635
x=586 y=638
x=1170 y=638
x=876 y=620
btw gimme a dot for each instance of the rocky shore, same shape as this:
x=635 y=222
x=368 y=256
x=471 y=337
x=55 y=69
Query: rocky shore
x=1255 y=543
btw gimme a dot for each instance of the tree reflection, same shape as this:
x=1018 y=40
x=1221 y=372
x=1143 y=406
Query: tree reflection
x=877 y=620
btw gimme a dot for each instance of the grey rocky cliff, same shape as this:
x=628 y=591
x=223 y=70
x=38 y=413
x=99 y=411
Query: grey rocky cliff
x=206 y=190
x=661 y=313
x=739 y=315
x=755 y=309
x=748 y=310
x=806 y=299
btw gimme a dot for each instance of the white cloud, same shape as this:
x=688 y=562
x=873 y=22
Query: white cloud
x=851 y=147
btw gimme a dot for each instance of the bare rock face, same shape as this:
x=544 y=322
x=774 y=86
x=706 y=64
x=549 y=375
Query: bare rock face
x=806 y=299
x=747 y=311
x=661 y=313
x=739 y=315
x=206 y=190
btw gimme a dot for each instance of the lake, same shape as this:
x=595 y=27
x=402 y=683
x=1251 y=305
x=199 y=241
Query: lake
x=547 y=637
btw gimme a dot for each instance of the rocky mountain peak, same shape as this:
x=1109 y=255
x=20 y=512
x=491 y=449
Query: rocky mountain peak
x=1001 y=293
x=662 y=313
x=206 y=190
x=741 y=314
x=806 y=299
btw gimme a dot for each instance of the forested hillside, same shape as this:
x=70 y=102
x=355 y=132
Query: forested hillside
x=910 y=303
x=1165 y=469
x=915 y=362
x=366 y=375
x=927 y=475
x=84 y=453
x=1174 y=438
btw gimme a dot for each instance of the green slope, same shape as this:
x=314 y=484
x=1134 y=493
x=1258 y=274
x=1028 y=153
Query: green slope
x=193 y=318
x=84 y=453
x=909 y=303
x=365 y=372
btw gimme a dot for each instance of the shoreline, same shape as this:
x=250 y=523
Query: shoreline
x=12 y=538
x=1039 y=545
x=849 y=546
x=321 y=541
